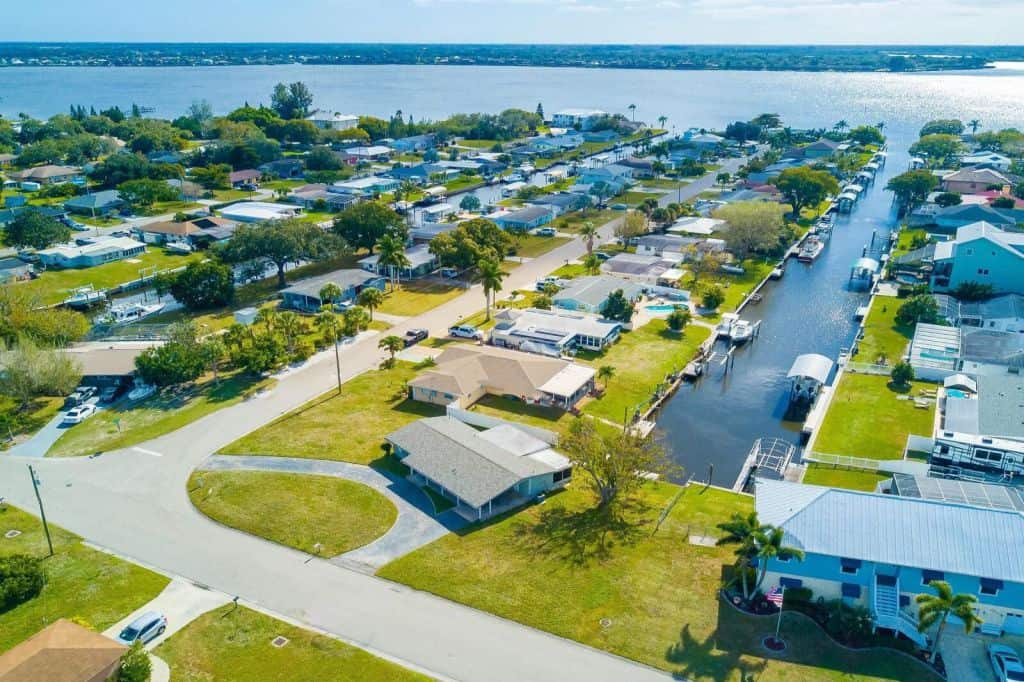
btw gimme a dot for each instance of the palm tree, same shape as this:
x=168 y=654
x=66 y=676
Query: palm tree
x=391 y=255
x=935 y=608
x=267 y=316
x=290 y=326
x=605 y=374
x=974 y=124
x=880 y=125
x=330 y=293
x=841 y=125
x=370 y=298
x=592 y=264
x=662 y=120
x=490 y=274
x=769 y=546
x=392 y=344
x=632 y=111
x=742 y=531
x=328 y=322
x=589 y=232
x=354 y=320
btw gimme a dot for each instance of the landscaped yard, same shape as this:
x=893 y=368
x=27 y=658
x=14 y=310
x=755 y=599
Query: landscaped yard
x=884 y=338
x=15 y=422
x=532 y=246
x=296 y=510
x=736 y=287
x=641 y=359
x=836 y=477
x=865 y=418
x=415 y=297
x=125 y=424
x=98 y=221
x=81 y=582
x=620 y=586
x=663 y=183
x=233 y=644
x=231 y=194
x=349 y=426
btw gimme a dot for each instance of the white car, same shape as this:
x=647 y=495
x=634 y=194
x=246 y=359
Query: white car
x=466 y=331
x=1006 y=663
x=77 y=415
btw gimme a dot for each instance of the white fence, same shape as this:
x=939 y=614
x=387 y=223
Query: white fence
x=893 y=466
x=868 y=368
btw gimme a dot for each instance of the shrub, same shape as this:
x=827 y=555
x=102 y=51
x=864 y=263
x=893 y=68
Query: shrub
x=712 y=297
x=135 y=665
x=902 y=373
x=678 y=318
x=846 y=623
x=21 y=579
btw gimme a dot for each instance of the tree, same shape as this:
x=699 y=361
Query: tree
x=392 y=344
x=707 y=264
x=722 y=179
x=591 y=264
x=973 y=291
x=902 y=374
x=354 y=320
x=177 y=361
x=281 y=242
x=21 y=314
x=743 y=531
x=212 y=352
x=214 y=176
x=803 y=186
x=135 y=665
x=841 y=125
x=32 y=371
x=145 y=192
x=203 y=285
x=634 y=224
x=589 y=232
x=712 y=297
x=21 y=578
x=618 y=307
x=291 y=101
x=867 y=135
x=974 y=124
x=940 y=147
x=946 y=199
x=263 y=352
x=363 y=225
x=769 y=546
x=391 y=257
x=470 y=202
x=605 y=374
x=291 y=327
x=662 y=120
x=947 y=126
x=752 y=227
x=370 y=298
x=1004 y=202
x=912 y=187
x=328 y=323
x=615 y=465
x=936 y=608
x=678 y=318
x=471 y=242
x=31 y=229
x=323 y=158
x=632 y=111
x=918 y=309
x=542 y=302
x=489 y=274
x=540 y=111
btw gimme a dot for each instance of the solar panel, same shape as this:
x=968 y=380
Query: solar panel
x=984 y=495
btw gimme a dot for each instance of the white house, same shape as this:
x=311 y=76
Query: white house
x=326 y=120
x=258 y=211
x=584 y=119
x=985 y=158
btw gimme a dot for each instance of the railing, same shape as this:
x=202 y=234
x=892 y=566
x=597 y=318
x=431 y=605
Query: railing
x=845 y=461
x=868 y=368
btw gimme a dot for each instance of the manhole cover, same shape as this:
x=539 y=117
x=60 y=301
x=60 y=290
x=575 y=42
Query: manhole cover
x=606 y=623
x=279 y=641
x=773 y=644
x=12 y=534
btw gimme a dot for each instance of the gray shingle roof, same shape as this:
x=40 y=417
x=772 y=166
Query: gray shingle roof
x=594 y=290
x=343 y=278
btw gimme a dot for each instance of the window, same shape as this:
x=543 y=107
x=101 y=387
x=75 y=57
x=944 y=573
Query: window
x=991 y=587
x=982 y=271
x=928 y=576
x=988 y=456
x=849 y=566
x=790 y=583
x=851 y=590
x=563 y=475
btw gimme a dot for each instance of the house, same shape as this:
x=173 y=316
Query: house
x=642 y=168
x=436 y=213
x=258 y=211
x=659 y=244
x=934 y=351
x=465 y=373
x=552 y=332
x=603 y=136
x=249 y=176
x=698 y=225
x=413 y=143
x=285 y=169
x=821 y=149
x=8 y=215
x=95 y=204
x=703 y=142
x=425 y=232
x=971 y=180
x=993 y=160
x=63 y=652
x=109 y=365
x=305 y=294
x=615 y=177
x=49 y=175
x=375 y=152
x=483 y=472
x=7 y=159
x=366 y=187
x=419 y=174
x=95 y=252
x=645 y=270
x=561 y=203
x=327 y=120
x=1002 y=313
x=881 y=551
x=952 y=218
x=197 y=232
x=982 y=253
x=525 y=218
x=14 y=270
x=421 y=263
x=310 y=196
x=590 y=294
x=556 y=144
x=580 y=119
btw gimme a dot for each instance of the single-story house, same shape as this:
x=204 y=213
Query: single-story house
x=642 y=168
x=1002 y=313
x=197 y=232
x=368 y=186
x=286 y=169
x=107 y=366
x=96 y=203
x=881 y=551
x=426 y=231
x=821 y=149
x=547 y=146
x=525 y=218
x=304 y=295
x=581 y=119
x=971 y=180
x=563 y=202
x=309 y=197
x=590 y=294
x=703 y=141
x=421 y=263
x=419 y=174
x=982 y=253
x=97 y=251
x=332 y=120
x=994 y=160
x=952 y=218
x=552 y=332
x=7 y=159
x=465 y=373
x=48 y=174
x=14 y=270
x=258 y=211
x=63 y=652
x=436 y=213
x=607 y=135
x=413 y=143
x=483 y=472
x=659 y=244
x=698 y=225
x=644 y=270
x=243 y=177
x=374 y=152
x=8 y=215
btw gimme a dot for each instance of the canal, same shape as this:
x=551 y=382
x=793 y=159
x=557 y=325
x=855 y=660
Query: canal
x=810 y=310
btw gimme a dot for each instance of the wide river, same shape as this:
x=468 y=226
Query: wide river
x=809 y=310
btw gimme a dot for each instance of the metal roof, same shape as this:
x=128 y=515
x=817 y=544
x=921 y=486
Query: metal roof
x=596 y=289
x=985 y=495
x=811 y=365
x=343 y=278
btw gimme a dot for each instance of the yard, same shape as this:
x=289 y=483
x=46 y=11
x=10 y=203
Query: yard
x=81 y=582
x=663 y=183
x=98 y=221
x=627 y=587
x=463 y=182
x=17 y=424
x=866 y=419
x=884 y=339
x=296 y=510
x=532 y=246
x=736 y=287
x=349 y=426
x=635 y=198
x=233 y=644
x=125 y=424
x=415 y=297
x=572 y=222
x=836 y=477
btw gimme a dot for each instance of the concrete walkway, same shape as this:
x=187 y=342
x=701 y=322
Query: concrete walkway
x=415 y=526
x=181 y=602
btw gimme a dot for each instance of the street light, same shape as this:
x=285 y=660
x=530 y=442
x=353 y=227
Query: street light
x=42 y=513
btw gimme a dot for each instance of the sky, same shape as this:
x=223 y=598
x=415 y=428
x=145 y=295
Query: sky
x=520 y=21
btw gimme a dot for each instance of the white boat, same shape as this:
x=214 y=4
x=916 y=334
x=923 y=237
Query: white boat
x=127 y=313
x=741 y=331
x=179 y=247
x=141 y=392
x=810 y=250
x=776 y=273
x=83 y=297
x=513 y=177
x=733 y=269
x=724 y=327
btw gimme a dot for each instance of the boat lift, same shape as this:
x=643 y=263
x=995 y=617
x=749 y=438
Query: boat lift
x=768 y=455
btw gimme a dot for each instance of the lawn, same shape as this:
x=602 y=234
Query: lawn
x=231 y=194
x=549 y=418
x=416 y=297
x=81 y=582
x=463 y=182
x=296 y=510
x=126 y=424
x=835 y=477
x=641 y=359
x=572 y=222
x=349 y=427
x=635 y=198
x=865 y=419
x=15 y=422
x=663 y=183
x=620 y=586
x=165 y=207
x=907 y=237
x=98 y=221
x=233 y=644
x=532 y=246
x=53 y=286
x=884 y=338
x=736 y=287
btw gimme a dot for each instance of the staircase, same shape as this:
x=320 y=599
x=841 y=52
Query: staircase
x=886 y=602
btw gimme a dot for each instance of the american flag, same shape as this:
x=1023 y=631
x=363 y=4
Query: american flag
x=775 y=596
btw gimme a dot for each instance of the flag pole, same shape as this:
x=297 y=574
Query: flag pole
x=778 y=625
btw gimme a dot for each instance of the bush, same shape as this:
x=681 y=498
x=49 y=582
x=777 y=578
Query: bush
x=902 y=373
x=712 y=297
x=21 y=579
x=678 y=318
x=919 y=308
x=849 y=624
x=135 y=665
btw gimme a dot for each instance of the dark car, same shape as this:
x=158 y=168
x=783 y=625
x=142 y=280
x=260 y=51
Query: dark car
x=81 y=394
x=603 y=255
x=109 y=394
x=414 y=336
x=120 y=233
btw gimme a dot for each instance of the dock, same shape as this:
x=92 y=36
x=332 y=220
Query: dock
x=773 y=454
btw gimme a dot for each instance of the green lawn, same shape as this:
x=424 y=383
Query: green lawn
x=296 y=510
x=620 y=586
x=572 y=222
x=53 y=286
x=479 y=144
x=233 y=644
x=663 y=183
x=736 y=287
x=80 y=582
x=835 y=477
x=532 y=246
x=641 y=360
x=231 y=194
x=349 y=427
x=866 y=420
x=635 y=198
x=15 y=422
x=98 y=221
x=418 y=296
x=883 y=337
x=153 y=417
x=905 y=243
x=463 y=182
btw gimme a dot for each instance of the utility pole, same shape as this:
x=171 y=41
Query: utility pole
x=42 y=513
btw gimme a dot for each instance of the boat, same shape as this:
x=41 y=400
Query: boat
x=724 y=327
x=741 y=332
x=141 y=392
x=178 y=247
x=512 y=177
x=733 y=269
x=84 y=297
x=127 y=313
x=810 y=250
x=776 y=273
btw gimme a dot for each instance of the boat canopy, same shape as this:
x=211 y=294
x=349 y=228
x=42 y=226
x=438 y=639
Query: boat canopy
x=866 y=264
x=812 y=366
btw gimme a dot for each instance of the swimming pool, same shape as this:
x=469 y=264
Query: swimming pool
x=662 y=307
x=955 y=393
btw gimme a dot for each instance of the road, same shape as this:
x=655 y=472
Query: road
x=134 y=502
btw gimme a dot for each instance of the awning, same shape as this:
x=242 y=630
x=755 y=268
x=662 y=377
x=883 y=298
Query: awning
x=811 y=365
x=961 y=381
x=568 y=380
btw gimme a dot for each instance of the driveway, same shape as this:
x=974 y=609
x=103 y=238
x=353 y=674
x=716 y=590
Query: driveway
x=181 y=602
x=43 y=439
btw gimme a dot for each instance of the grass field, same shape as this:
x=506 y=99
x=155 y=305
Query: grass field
x=233 y=644
x=15 y=422
x=884 y=338
x=296 y=510
x=866 y=420
x=418 y=296
x=572 y=222
x=532 y=246
x=834 y=477
x=735 y=287
x=125 y=424
x=620 y=586
x=99 y=221
x=349 y=427
x=80 y=582
x=634 y=198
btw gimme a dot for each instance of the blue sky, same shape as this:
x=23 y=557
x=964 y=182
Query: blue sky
x=519 y=21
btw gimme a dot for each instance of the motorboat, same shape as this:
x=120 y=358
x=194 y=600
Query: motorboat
x=179 y=247
x=141 y=391
x=741 y=332
x=512 y=177
x=724 y=327
x=810 y=250
x=733 y=269
x=776 y=273
x=84 y=297
x=127 y=313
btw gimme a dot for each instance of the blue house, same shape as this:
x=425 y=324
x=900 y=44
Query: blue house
x=413 y=143
x=421 y=263
x=981 y=253
x=880 y=551
x=525 y=218
x=305 y=295
x=590 y=294
x=420 y=173
x=95 y=204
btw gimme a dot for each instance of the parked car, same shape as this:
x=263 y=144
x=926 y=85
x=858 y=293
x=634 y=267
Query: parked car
x=603 y=255
x=547 y=232
x=77 y=415
x=1006 y=663
x=248 y=187
x=450 y=273
x=109 y=394
x=145 y=628
x=79 y=227
x=120 y=233
x=466 y=331
x=79 y=396
x=544 y=281
x=414 y=336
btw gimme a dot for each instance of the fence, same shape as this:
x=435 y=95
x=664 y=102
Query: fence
x=891 y=466
x=868 y=368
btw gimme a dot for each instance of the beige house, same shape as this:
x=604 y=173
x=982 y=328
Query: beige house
x=62 y=652
x=973 y=180
x=48 y=175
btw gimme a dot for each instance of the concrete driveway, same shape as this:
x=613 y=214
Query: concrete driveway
x=181 y=602
x=41 y=442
